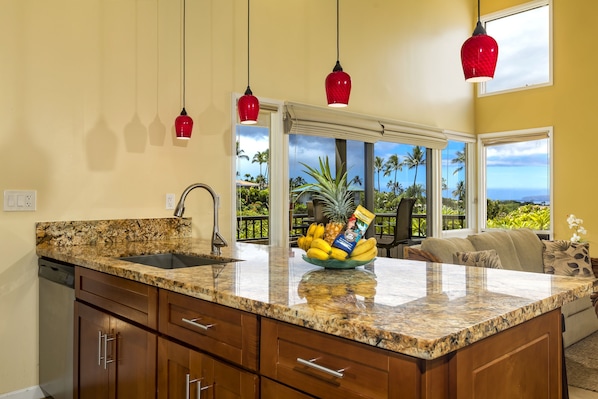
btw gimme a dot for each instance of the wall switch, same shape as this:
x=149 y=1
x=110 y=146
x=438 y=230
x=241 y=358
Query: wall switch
x=170 y=201
x=20 y=200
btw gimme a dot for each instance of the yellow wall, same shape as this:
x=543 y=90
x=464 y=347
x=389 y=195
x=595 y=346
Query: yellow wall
x=89 y=90
x=569 y=105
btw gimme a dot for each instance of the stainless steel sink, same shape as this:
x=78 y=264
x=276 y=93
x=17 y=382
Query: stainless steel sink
x=175 y=260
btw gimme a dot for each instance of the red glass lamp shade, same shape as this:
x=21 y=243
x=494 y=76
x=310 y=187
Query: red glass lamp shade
x=338 y=87
x=183 y=125
x=479 y=54
x=248 y=107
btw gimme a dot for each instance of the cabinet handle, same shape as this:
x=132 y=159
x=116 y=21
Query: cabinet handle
x=189 y=381
x=105 y=339
x=194 y=323
x=312 y=363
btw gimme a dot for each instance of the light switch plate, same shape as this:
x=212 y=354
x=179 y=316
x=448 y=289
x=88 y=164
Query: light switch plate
x=20 y=200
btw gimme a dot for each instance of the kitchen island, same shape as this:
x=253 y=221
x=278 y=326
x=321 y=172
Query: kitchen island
x=431 y=330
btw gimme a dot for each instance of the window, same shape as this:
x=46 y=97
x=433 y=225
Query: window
x=524 y=41
x=457 y=198
x=516 y=179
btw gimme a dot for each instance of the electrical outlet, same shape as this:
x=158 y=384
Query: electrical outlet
x=20 y=200
x=169 y=201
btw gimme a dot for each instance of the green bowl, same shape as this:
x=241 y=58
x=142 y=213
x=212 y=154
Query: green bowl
x=336 y=264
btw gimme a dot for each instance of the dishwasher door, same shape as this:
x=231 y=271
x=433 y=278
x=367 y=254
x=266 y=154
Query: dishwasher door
x=56 y=327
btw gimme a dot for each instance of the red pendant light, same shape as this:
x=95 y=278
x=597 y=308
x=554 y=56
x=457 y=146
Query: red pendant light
x=338 y=82
x=479 y=54
x=248 y=105
x=183 y=124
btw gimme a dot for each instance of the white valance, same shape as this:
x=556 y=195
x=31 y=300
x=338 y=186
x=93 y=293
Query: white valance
x=327 y=122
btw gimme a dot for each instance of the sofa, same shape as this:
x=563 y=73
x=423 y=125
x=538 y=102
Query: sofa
x=520 y=250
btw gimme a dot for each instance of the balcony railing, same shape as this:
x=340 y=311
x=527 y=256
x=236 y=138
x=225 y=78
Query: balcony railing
x=255 y=228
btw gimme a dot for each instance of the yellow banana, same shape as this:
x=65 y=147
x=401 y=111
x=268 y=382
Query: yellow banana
x=319 y=231
x=317 y=253
x=363 y=246
x=307 y=243
x=301 y=241
x=321 y=244
x=311 y=229
x=338 y=254
x=369 y=255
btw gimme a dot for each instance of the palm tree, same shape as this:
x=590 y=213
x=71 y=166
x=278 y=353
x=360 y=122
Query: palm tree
x=262 y=157
x=378 y=165
x=393 y=165
x=356 y=180
x=459 y=193
x=241 y=153
x=459 y=159
x=414 y=159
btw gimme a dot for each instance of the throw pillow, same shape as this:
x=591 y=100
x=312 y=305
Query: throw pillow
x=418 y=254
x=487 y=258
x=567 y=258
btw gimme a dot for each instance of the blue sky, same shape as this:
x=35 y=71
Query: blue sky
x=519 y=168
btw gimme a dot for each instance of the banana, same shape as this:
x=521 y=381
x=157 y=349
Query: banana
x=319 y=231
x=321 y=244
x=317 y=253
x=311 y=229
x=301 y=241
x=364 y=246
x=307 y=243
x=369 y=255
x=338 y=254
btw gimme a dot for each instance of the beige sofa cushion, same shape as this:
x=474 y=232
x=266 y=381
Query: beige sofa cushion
x=501 y=242
x=444 y=248
x=529 y=249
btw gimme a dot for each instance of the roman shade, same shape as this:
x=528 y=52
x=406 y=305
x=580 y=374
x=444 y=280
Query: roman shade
x=325 y=122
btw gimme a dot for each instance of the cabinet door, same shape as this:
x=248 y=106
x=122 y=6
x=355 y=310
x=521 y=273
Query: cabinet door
x=185 y=373
x=92 y=380
x=135 y=361
x=115 y=359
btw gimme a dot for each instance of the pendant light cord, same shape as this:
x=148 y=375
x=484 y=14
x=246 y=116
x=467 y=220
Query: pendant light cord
x=184 y=49
x=478 y=10
x=248 y=8
x=337 y=32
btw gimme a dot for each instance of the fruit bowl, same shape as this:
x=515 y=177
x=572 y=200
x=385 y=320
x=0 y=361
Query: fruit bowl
x=336 y=264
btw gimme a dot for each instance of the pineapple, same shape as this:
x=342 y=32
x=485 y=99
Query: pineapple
x=333 y=191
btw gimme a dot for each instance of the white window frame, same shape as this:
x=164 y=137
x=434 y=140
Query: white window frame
x=512 y=137
x=481 y=90
x=470 y=176
x=278 y=171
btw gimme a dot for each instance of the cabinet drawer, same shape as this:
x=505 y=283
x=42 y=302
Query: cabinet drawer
x=273 y=390
x=326 y=366
x=132 y=300
x=228 y=333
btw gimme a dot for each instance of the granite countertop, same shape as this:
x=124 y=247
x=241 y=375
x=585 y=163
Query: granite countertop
x=425 y=310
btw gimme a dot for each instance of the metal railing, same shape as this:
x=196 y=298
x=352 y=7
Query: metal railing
x=255 y=228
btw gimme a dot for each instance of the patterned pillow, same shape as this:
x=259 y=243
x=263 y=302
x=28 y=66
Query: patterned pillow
x=487 y=258
x=567 y=258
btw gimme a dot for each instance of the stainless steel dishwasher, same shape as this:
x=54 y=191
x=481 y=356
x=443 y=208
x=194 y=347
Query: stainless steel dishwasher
x=56 y=325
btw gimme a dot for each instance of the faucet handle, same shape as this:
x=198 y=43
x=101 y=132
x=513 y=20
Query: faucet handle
x=218 y=240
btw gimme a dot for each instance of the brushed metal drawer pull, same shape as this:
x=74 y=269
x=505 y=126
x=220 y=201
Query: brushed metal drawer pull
x=194 y=323
x=312 y=363
x=189 y=381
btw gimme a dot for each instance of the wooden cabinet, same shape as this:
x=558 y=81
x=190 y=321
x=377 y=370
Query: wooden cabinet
x=114 y=358
x=521 y=362
x=115 y=350
x=273 y=390
x=129 y=347
x=186 y=373
x=325 y=366
x=229 y=333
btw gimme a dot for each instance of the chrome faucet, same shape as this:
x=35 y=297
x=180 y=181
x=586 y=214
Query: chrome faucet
x=217 y=240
